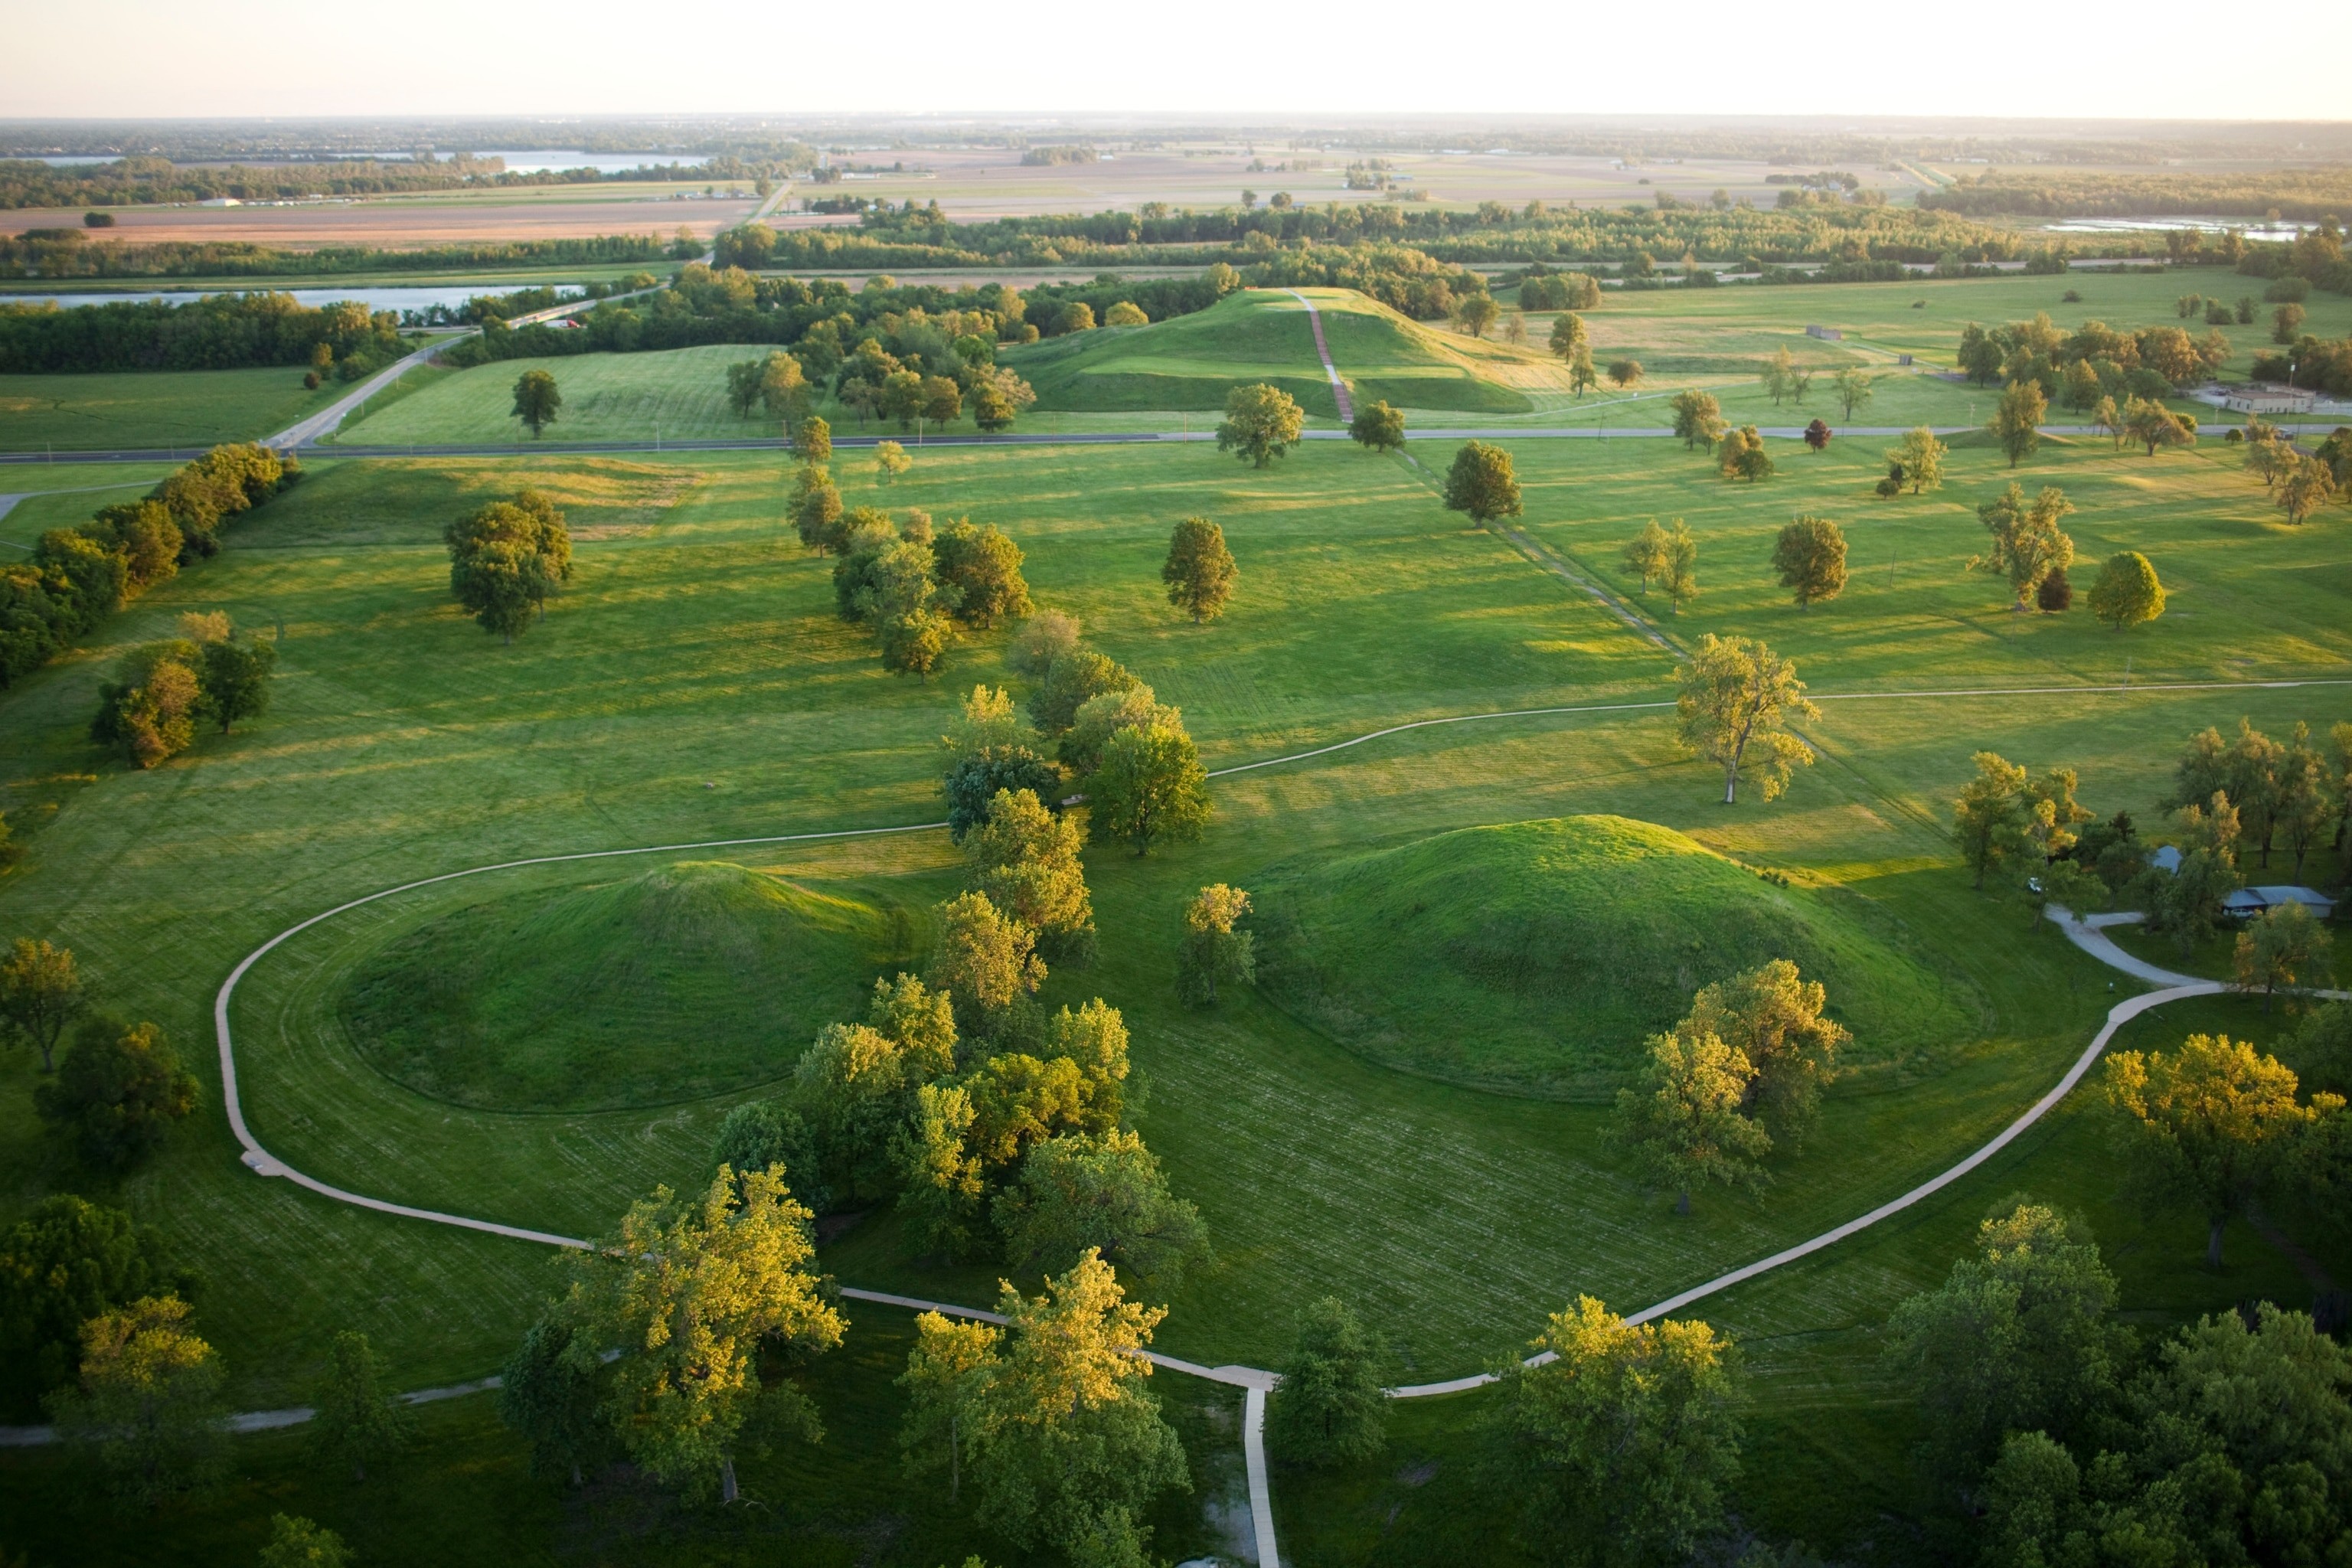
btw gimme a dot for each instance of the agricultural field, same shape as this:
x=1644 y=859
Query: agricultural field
x=146 y=409
x=1466 y=929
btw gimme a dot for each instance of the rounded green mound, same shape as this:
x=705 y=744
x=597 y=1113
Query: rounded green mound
x=686 y=981
x=1536 y=957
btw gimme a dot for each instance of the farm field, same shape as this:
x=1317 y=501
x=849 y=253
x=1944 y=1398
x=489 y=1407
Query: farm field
x=694 y=684
x=194 y=409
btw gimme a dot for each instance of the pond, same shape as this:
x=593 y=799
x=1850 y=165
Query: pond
x=2252 y=228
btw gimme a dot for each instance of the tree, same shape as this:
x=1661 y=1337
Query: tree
x=1624 y=371
x=812 y=440
x=233 y=680
x=357 y=1421
x=118 y=1092
x=65 y=1263
x=1736 y=695
x=1780 y=373
x=1481 y=483
x=984 y=958
x=1990 y=815
x=1126 y=313
x=981 y=568
x=1104 y=715
x=1070 y=681
x=991 y=409
x=1329 y=1407
x=1378 y=428
x=1081 y=1195
x=1151 y=787
x=1810 y=558
x=1682 y=1119
x=2017 y=1338
x=2208 y=1125
x=1077 y=316
x=2105 y=416
x=1262 y=423
x=1854 y=390
x=2285 y=322
x=1066 y=1446
x=2308 y=483
x=2153 y=425
x=694 y=1291
x=944 y=1381
x=2016 y=421
x=1774 y=1017
x=2056 y=592
x=148 y=1400
x=2127 y=592
x=1474 y=313
x=1199 y=571
x=1980 y=355
x=298 y=1542
x=2276 y=947
x=890 y=461
x=942 y=400
x=783 y=390
x=549 y=1397
x=1742 y=456
x=1568 y=337
x=1626 y=1443
x=150 y=709
x=1025 y=860
x=1212 y=951
x=2027 y=542
x=535 y=401
x=1680 y=576
x=1919 y=461
x=1580 y=374
x=1698 y=418
x=815 y=508
x=1645 y=554
x=1817 y=436
x=40 y=994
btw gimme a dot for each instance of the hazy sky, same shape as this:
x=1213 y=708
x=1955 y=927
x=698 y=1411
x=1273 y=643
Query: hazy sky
x=2064 y=59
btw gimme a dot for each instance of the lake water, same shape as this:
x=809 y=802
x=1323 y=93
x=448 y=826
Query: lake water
x=390 y=299
x=541 y=163
x=2275 y=232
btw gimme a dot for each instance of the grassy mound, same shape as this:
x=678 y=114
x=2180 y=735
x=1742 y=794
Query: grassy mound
x=1261 y=334
x=686 y=981
x=1535 y=957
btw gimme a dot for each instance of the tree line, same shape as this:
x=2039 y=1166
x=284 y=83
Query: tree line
x=61 y=253
x=219 y=331
x=139 y=180
x=75 y=578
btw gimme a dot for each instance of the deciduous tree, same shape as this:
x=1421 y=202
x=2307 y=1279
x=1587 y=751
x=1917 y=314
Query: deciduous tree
x=1817 y=436
x=1919 y=461
x=1331 y=1407
x=1149 y=788
x=1698 y=418
x=945 y=1380
x=1680 y=576
x=1682 y=1118
x=2016 y=420
x=693 y=1291
x=984 y=958
x=1262 y=423
x=2127 y=590
x=118 y=1092
x=1854 y=390
x=549 y=1397
x=1474 y=313
x=1378 y=428
x=890 y=461
x=1481 y=483
x=1025 y=860
x=2207 y=1125
x=148 y=1400
x=2027 y=542
x=232 y=679
x=812 y=440
x=358 y=1420
x=1742 y=456
x=1644 y=555
x=1624 y=372
x=1080 y=1195
x=66 y=1262
x=298 y=1542
x=1737 y=697
x=2277 y=947
x=40 y=994
x=1200 y=570
x=1775 y=1018
x=1626 y=1445
x=1809 y=556
x=1569 y=336
x=537 y=401
x=2308 y=483
x=982 y=569
x=1213 y=950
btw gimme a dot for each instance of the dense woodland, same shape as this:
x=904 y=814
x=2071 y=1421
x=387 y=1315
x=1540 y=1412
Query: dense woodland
x=142 y=181
x=62 y=253
x=223 y=332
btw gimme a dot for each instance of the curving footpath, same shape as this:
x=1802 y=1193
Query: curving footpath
x=1255 y=1383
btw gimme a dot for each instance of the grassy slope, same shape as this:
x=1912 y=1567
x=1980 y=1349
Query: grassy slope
x=152 y=408
x=61 y=495
x=1536 y=957
x=671 y=985
x=699 y=645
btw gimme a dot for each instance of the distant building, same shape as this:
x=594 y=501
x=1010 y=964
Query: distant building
x=1902 y=359
x=1827 y=334
x=2166 y=858
x=2270 y=400
x=2248 y=903
x=220 y=201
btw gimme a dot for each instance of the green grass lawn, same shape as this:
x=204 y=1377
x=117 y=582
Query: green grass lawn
x=61 y=495
x=191 y=408
x=694 y=684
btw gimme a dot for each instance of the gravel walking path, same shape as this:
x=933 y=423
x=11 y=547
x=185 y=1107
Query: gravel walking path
x=1323 y=352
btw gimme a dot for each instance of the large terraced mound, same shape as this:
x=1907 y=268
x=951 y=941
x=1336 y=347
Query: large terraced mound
x=1264 y=334
x=1535 y=957
x=686 y=981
